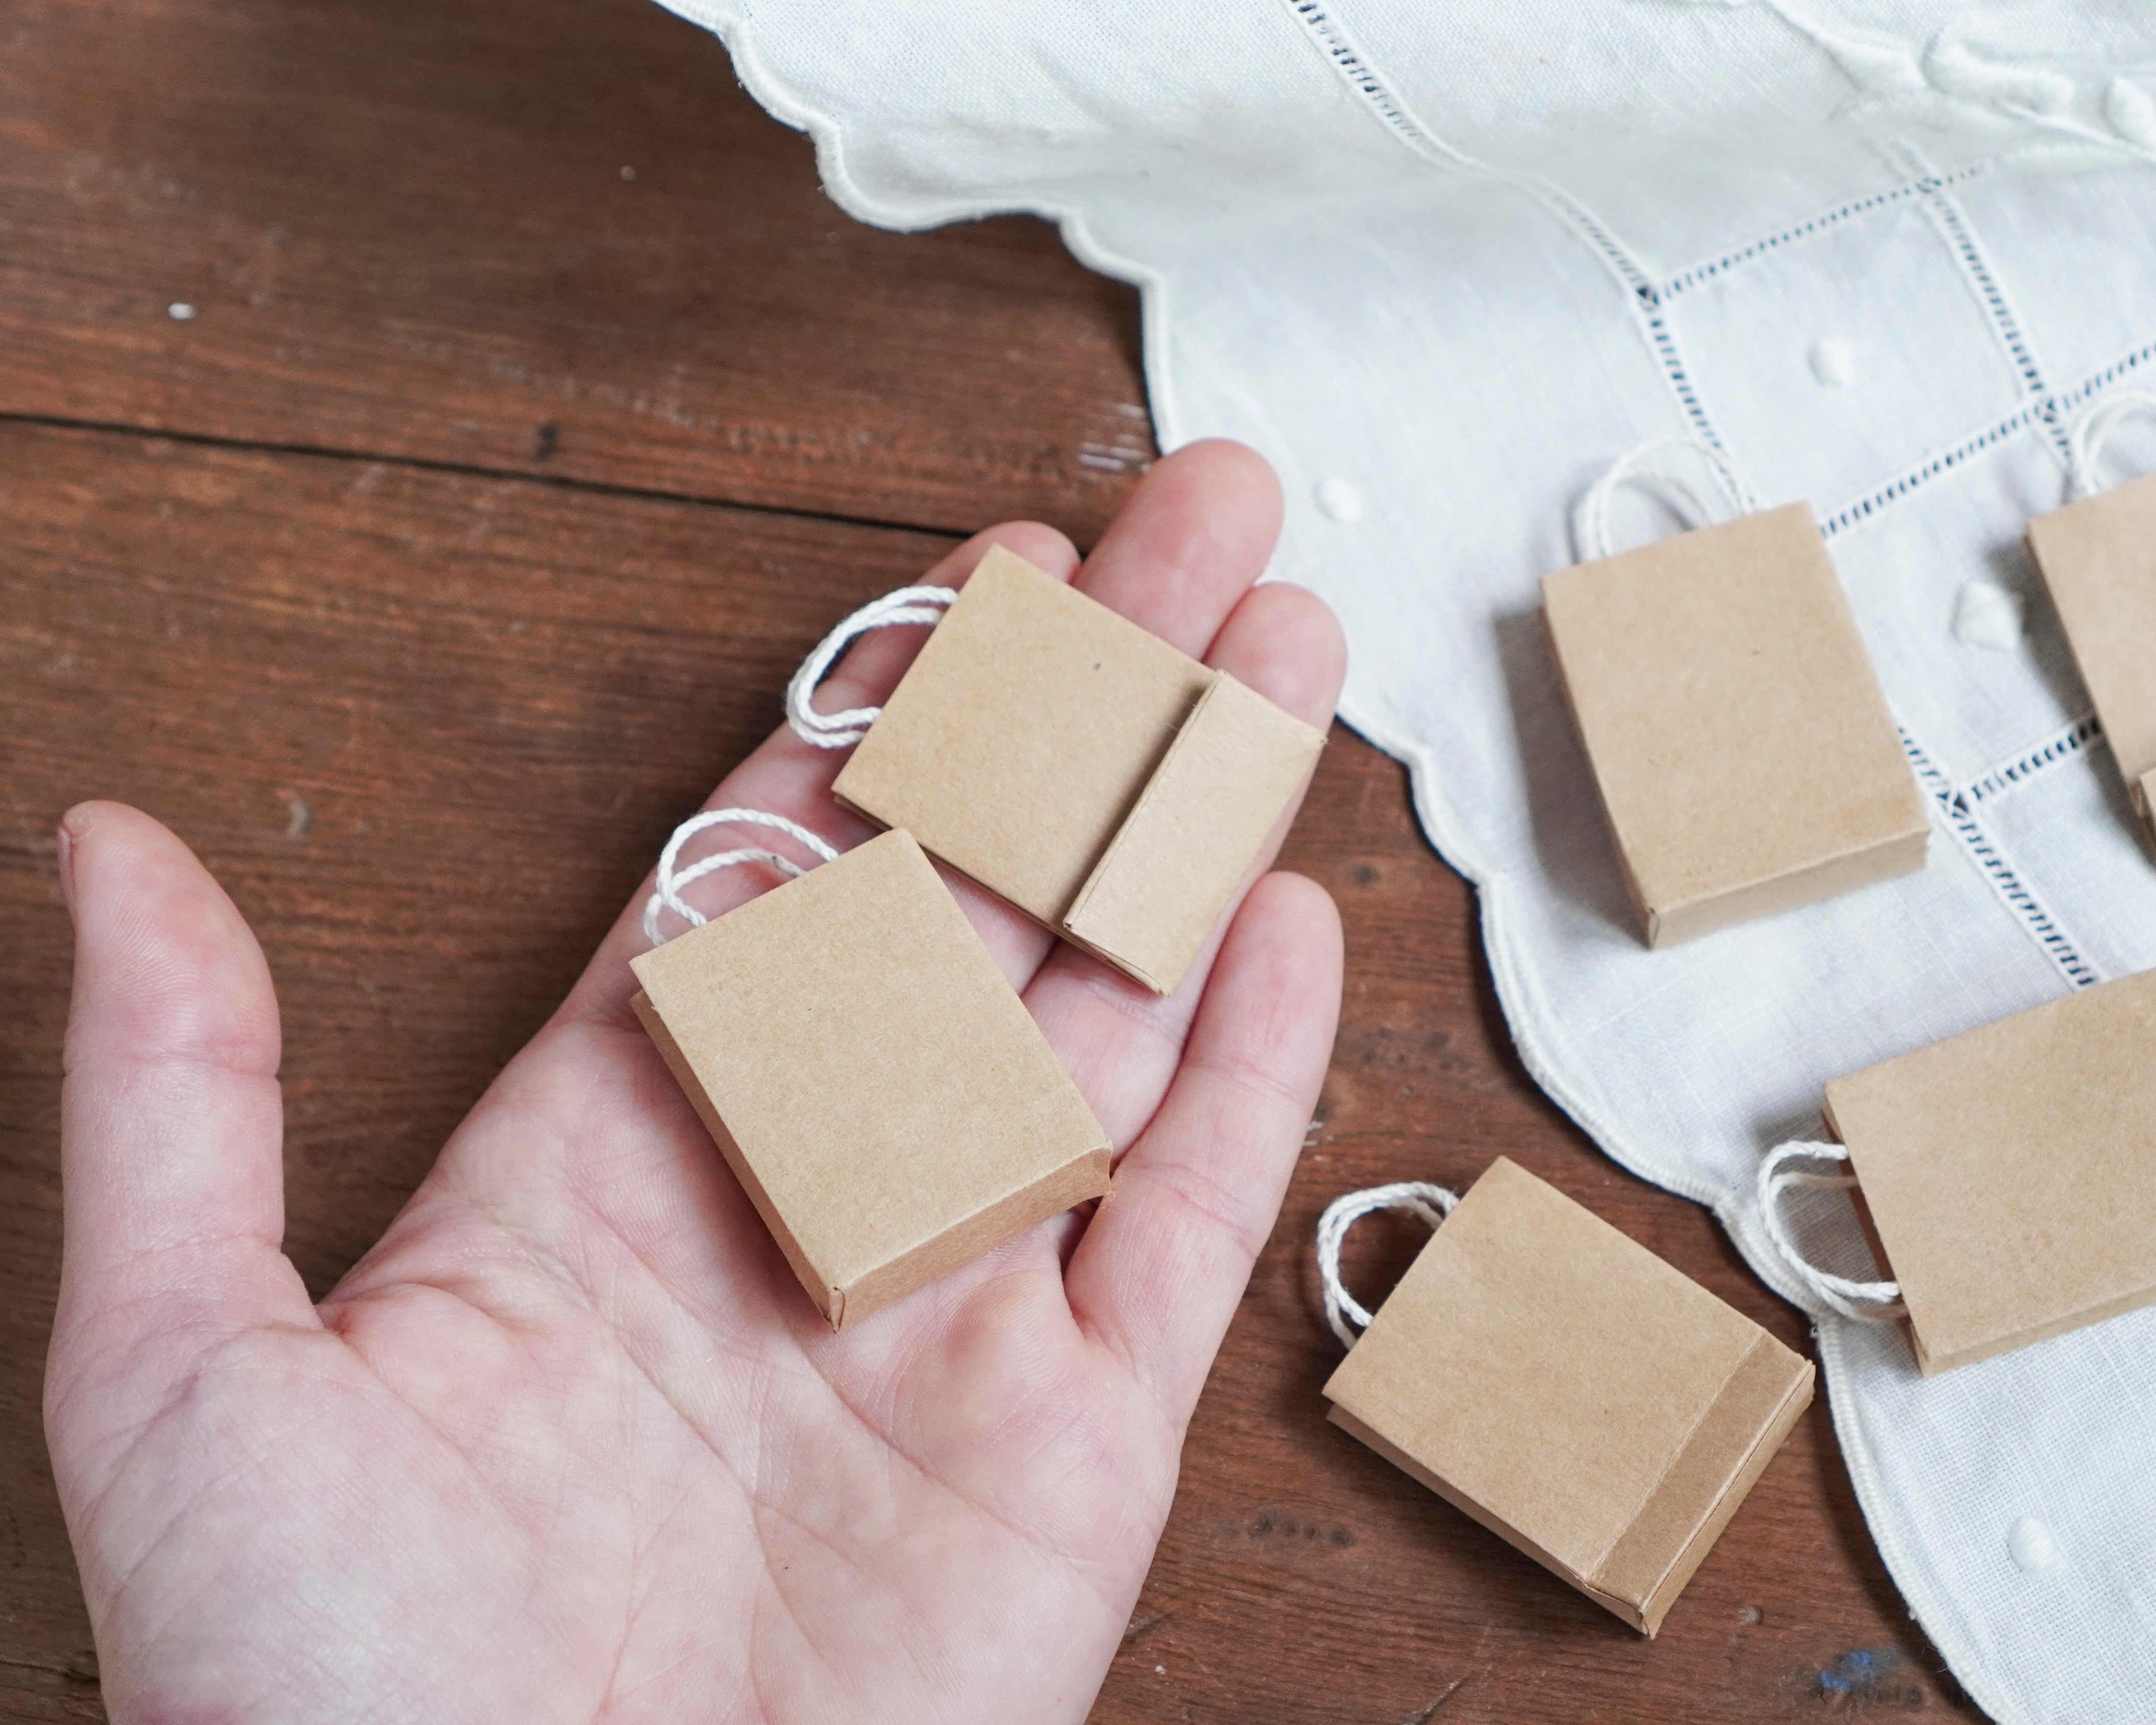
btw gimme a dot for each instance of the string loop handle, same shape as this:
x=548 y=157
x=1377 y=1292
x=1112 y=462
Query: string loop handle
x=2093 y=431
x=844 y=729
x=1432 y=1203
x=1646 y=470
x=669 y=880
x=1868 y=1301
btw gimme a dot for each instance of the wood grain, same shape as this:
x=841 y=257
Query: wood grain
x=404 y=227
x=430 y=725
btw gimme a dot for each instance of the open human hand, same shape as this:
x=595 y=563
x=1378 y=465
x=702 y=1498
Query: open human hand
x=569 y=1443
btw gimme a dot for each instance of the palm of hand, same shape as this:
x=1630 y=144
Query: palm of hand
x=569 y=1443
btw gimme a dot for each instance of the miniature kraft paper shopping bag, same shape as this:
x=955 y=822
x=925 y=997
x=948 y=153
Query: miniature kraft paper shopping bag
x=1563 y=1385
x=882 y=1094
x=2098 y=559
x=1745 y=756
x=1108 y=786
x=2006 y=1177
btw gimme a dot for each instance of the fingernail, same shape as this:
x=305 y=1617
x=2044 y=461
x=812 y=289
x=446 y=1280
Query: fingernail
x=63 y=846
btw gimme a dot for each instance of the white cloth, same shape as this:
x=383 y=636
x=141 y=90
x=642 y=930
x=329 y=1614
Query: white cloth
x=1444 y=264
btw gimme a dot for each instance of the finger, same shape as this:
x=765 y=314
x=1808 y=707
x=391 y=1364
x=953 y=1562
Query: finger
x=1121 y=1041
x=1187 y=546
x=1159 y=1274
x=171 y=1126
x=789 y=776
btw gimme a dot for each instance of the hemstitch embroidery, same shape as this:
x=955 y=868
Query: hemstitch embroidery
x=1953 y=73
x=1957 y=812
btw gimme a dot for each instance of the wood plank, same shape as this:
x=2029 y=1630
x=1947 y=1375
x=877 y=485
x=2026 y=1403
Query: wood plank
x=409 y=229
x=429 y=729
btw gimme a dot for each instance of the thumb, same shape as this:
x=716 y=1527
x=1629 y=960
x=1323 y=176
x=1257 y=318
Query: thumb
x=172 y=1124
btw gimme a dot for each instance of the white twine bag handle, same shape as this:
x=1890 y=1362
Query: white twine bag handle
x=2093 y=431
x=1645 y=469
x=842 y=729
x=666 y=889
x=1868 y=1301
x=1432 y=1203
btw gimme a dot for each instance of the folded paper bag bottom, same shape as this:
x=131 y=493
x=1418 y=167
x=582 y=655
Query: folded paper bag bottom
x=1571 y=1392
x=883 y=1096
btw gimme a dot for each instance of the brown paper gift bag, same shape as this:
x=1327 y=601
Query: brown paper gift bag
x=2098 y=560
x=1746 y=759
x=1113 y=789
x=1565 y=1388
x=2006 y=1176
x=882 y=1094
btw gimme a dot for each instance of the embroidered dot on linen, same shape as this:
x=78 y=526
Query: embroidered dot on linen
x=2033 y=1546
x=1338 y=501
x=1987 y=615
x=1834 y=362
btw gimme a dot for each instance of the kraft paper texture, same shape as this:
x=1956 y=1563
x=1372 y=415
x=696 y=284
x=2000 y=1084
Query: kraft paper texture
x=1746 y=759
x=2098 y=560
x=2009 y=1173
x=1571 y=1392
x=884 y=1098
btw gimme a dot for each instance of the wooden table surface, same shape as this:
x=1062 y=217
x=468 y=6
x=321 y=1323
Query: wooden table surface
x=535 y=415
